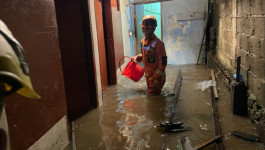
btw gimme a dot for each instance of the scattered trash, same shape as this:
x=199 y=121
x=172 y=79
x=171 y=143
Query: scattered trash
x=208 y=104
x=240 y=77
x=205 y=84
x=173 y=127
x=184 y=143
x=169 y=125
x=246 y=136
x=204 y=127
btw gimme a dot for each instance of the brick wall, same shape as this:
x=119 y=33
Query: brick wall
x=240 y=26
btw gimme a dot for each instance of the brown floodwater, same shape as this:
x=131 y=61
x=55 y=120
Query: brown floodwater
x=127 y=118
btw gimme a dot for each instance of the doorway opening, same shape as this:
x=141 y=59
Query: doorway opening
x=153 y=9
x=181 y=26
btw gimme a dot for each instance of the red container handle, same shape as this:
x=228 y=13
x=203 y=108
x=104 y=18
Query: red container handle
x=132 y=59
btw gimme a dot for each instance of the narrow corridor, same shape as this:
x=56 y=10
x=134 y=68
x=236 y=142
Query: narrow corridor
x=127 y=118
x=72 y=49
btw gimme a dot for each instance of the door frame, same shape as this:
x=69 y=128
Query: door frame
x=109 y=42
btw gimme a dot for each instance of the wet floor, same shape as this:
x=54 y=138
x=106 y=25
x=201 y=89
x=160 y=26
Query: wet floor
x=230 y=122
x=127 y=118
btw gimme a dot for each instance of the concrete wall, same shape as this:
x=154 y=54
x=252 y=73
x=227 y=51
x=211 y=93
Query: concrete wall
x=127 y=32
x=117 y=34
x=183 y=22
x=240 y=26
x=223 y=23
x=183 y=25
x=154 y=9
x=139 y=10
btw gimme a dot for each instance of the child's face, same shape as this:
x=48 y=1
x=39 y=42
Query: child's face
x=148 y=31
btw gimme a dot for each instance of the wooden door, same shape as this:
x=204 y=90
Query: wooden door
x=77 y=55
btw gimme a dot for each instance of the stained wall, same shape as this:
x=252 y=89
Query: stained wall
x=183 y=24
x=240 y=26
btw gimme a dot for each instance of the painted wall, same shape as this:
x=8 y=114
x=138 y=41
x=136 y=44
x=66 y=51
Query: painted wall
x=139 y=10
x=143 y=10
x=117 y=34
x=33 y=23
x=128 y=33
x=183 y=25
x=127 y=27
x=154 y=9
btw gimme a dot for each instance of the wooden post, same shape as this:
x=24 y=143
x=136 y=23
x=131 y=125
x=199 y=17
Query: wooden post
x=208 y=142
x=217 y=126
x=238 y=69
x=176 y=91
x=214 y=88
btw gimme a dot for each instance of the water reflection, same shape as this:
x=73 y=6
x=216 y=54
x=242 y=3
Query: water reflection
x=134 y=120
x=127 y=118
x=134 y=125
